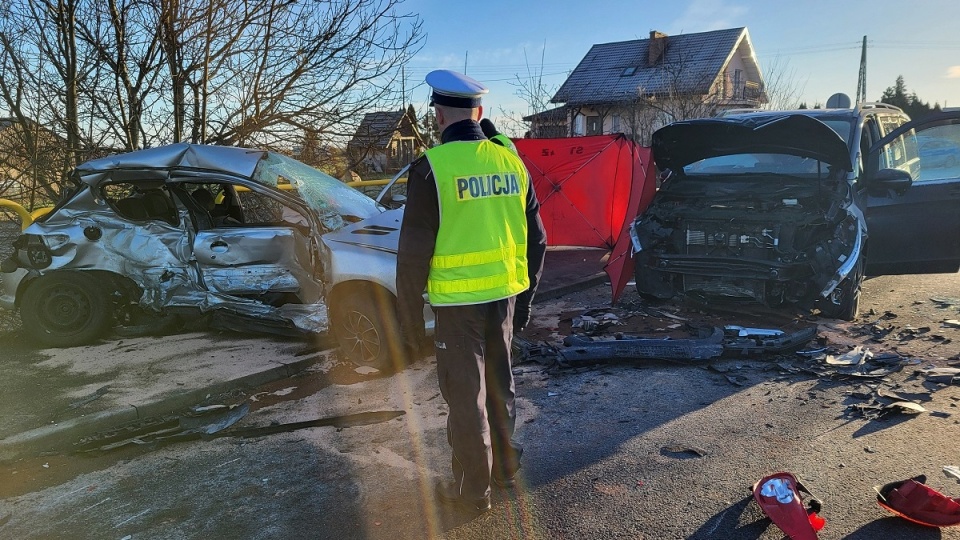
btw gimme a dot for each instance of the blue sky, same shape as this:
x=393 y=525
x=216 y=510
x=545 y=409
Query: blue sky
x=816 y=44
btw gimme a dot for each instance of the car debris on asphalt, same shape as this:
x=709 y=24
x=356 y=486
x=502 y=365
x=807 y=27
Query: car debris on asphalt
x=915 y=501
x=779 y=497
x=708 y=343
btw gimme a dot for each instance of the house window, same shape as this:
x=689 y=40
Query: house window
x=579 y=125
x=628 y=71
x=738 y=83
x=615 y=124
x=594 y=125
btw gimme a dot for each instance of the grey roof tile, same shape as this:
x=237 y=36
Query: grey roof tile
x=694 y=60
x=376 y=129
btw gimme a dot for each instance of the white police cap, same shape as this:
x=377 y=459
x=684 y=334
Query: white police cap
x=454 y=89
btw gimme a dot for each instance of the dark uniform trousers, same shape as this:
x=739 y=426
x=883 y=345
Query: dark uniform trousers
x=476 y=380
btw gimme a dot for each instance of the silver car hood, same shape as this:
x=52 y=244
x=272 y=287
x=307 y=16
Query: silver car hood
x=380 y=232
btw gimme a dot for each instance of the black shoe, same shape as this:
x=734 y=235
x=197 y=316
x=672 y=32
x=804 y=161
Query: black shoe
x=448 y=494
x=504 y=474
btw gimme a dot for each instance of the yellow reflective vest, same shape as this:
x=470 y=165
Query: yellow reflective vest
x=481 y=249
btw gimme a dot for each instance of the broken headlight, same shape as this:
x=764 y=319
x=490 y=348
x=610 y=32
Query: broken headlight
x=39 y=249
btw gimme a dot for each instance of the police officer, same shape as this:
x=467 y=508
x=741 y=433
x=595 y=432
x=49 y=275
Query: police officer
x=472 y=237
x=494 y=135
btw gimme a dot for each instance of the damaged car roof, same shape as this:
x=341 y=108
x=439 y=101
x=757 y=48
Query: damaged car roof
x=240 y=161
x=324 y=194
x=682 y=143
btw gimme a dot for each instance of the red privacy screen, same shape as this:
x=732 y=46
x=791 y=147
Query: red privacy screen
x=588 y=187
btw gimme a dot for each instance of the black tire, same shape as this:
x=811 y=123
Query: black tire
x=844 y=303
x=65 y=309
x=365 y=325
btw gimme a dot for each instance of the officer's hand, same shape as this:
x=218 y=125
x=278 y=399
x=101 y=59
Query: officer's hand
x=488 y=128
x=521 y=318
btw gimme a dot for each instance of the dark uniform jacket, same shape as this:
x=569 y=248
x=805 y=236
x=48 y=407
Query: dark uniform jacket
x=418 y=234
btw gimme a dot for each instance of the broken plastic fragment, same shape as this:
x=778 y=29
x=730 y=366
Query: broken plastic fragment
x=942 y=375
x=779 y=497
x=906 y=407
x=915 y=501
x=743 y=331
x=952 y=471
x=853 y=358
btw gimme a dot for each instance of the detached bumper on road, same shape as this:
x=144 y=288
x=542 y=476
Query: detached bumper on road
x=712 y=343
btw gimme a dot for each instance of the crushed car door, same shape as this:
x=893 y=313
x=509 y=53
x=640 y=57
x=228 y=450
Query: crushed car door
x=263 y=245
x=915 y=230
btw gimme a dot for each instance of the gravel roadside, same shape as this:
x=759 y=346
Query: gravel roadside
x=9 y=320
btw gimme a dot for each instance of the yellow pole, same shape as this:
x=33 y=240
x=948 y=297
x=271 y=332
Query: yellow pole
x=25 y=218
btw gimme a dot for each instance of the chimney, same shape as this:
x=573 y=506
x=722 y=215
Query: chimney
x=656 y=48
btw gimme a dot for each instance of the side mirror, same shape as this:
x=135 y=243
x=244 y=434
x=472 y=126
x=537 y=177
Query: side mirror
x=893 y=179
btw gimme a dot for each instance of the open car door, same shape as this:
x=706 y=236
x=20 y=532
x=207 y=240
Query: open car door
x=912 y=198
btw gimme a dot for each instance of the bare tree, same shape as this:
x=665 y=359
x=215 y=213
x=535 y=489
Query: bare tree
x=42 y=68
x=124 y=36
x=780 y=86
x=534 y=91
x=299 y=67
x=124 y=74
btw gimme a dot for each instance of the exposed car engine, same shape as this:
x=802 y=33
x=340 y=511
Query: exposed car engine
x=765 y=238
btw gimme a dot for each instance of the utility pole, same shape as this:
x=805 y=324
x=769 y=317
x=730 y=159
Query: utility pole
x=465 y=56
x=862 y=81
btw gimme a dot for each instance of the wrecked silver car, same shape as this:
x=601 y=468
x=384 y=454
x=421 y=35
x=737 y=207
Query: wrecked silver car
x=752 y=208
x=187 y=229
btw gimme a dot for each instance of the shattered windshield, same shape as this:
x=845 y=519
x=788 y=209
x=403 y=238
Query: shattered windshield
x=756 y=163
x=328 y=197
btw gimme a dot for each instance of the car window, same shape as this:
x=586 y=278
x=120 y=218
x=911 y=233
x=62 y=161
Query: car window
x=333 y=201
x=220 y=204
x=844 y=128
x=754 y=163
x=868 y=137
x=260 y=209
x=902 y=153
x=939 y=150
x=136 y=201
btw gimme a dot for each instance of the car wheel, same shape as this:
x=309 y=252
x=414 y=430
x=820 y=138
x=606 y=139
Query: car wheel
x=844 y=303
x=65 y=309
x=366 y=327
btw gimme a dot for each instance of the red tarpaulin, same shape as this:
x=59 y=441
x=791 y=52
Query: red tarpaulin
x=590 y=190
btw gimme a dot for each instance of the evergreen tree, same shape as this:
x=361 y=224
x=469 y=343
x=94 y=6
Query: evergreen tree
x=897 y=94
x=911 y=104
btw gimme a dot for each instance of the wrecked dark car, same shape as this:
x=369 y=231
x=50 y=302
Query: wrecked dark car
x=796 y=207
x=184 y=230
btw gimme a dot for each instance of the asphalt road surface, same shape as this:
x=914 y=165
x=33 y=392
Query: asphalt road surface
x=645 y=450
